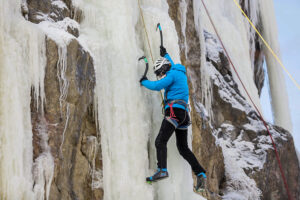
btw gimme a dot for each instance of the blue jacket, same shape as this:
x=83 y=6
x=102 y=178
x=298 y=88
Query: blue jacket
x=175 y=84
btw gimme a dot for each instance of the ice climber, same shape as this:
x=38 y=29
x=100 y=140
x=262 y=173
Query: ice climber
x=172 y=78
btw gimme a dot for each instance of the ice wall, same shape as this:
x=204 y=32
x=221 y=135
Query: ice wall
x=279 y=96
x=22 y=62
x=129 y=115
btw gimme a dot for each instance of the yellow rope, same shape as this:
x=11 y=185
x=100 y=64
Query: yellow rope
x=268 y=46
x=145 y=30
x=141 y=11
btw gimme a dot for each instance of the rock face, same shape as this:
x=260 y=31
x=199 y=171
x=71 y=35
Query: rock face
x=232 y=143
x=68 y=115
x=211 y=155
x=37 y=11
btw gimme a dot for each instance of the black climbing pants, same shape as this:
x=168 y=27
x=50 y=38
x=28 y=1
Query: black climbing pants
x=166 y=131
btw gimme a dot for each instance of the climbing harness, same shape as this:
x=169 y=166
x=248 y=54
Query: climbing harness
x=260 y=115
x=172 y=114
x=172 y=118
x=268 y=46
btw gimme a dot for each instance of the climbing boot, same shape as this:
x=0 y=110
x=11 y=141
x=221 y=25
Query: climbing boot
x=159 y=174
x=201 y=182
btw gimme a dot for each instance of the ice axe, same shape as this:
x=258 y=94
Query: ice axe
x=147 y=65
x=161 y=35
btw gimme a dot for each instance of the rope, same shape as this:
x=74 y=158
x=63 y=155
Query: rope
x=141 y=11
x=144 y=24
x=268 y=46
x=260 y=115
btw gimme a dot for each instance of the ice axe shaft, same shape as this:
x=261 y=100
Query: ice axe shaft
x=161 y=35
x=147 y=65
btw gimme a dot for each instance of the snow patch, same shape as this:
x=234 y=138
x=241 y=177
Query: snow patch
x=213 y=47
x=60 y=4
x=200 y=109
x=57 y=31
x=239 y=155
x=53 y=31
x=43 y=17
x=97 y=179
x=227 y=91
x=68 y=23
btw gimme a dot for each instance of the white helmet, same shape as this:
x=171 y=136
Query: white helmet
x=161 y=66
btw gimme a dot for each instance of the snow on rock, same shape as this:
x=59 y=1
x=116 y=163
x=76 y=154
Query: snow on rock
x=200 y=109
x=24 y=8
x=59 y=4
x=228 y=90
x=213 y=48
x=43 y=17
x=245 y=144
x=215 y=54
x=58 y=31
x=239 y=155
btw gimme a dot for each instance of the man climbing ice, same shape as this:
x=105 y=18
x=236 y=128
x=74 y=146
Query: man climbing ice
x=172 y=78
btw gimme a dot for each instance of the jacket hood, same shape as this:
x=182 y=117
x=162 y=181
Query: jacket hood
x=178 y=67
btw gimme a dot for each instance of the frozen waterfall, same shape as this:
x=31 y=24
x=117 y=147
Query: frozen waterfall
x=22 y=63
x=130 y=116
x=279 y=97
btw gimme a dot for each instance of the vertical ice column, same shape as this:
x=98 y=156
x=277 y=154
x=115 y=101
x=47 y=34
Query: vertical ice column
x=128 y=113
x=108 y=31
x=279 y=97
x=22 y=62
x=180 y=184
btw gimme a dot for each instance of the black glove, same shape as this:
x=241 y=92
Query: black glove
x=163 y=51
x=143 y=79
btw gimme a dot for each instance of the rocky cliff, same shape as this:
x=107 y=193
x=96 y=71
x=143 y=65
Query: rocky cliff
x=229 y=138
x=68 y=116
x=232 y=142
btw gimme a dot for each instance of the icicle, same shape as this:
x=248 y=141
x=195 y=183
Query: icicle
x=66 y=126
x=199 y=16
x=279 y=97
x=22 y=60
x=183 y=9
x=252 y=9
x=61 y=74
x=43 y=167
